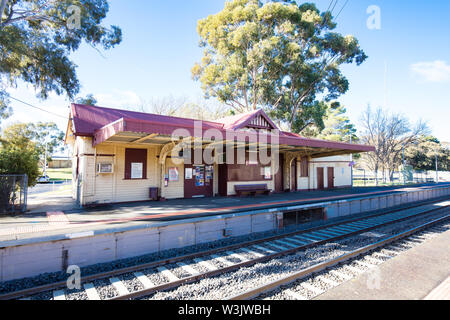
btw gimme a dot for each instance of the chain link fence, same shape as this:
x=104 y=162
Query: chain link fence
x=363 y=177
x=13 y=193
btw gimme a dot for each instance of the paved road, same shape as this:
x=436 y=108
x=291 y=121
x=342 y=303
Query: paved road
x=51 y=197
x=48 y=187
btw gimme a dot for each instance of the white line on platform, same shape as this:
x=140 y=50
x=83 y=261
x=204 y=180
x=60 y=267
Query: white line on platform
x=188 y=269
x=80 y=235
x=144 y=280
x=120 y=287
x=207 y=265
x=91 y=292
x=59 y=295
x=167 y=273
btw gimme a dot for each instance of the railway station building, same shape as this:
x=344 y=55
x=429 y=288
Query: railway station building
x=124 y=156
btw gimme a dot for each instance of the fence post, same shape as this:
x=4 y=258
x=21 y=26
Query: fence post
x=25 y=195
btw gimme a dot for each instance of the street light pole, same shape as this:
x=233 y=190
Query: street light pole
x=351 y=158
x=45 y=160
x=437 y=169
x=404 y=165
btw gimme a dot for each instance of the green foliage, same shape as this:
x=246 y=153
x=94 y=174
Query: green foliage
x=19 y=154
x=336 y=125
x=5 y=110
x=88 y=101
x=277 y=55
x=23 y=146
x=17 y=161
x=37 y=38
x=422 y=154
x=35 y=136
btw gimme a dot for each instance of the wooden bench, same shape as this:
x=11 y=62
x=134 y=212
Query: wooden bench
x=252 y=189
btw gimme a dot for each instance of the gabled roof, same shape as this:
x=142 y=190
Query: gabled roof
x=88 y=119
x=243 y=120
x=113 y=125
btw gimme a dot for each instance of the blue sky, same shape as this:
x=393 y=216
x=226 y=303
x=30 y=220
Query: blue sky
x=160 y=46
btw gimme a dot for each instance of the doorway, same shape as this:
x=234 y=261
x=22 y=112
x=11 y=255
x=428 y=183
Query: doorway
x=331 y=178
x=198 y=181
x=294 y=175
x=320 y=177
x=279 y=176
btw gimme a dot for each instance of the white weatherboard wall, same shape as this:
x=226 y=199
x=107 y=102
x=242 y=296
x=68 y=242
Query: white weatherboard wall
x=96 y=188
x=269 y=182
x=342 y=171
x=26 y=260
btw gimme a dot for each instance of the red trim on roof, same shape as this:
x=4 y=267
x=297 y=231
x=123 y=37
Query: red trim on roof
x=242 y=120
x=104 y=123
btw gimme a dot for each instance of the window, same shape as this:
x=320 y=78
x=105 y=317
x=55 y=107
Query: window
x=304 y=168
x=135 y=164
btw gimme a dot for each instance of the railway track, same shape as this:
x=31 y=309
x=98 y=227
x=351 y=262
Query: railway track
x=143 y=280
x=314 y=281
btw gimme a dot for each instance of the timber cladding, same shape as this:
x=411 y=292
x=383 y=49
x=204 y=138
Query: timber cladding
x=250 y=171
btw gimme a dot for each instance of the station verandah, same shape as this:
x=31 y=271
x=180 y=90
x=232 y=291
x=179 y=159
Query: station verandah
x=143 y=151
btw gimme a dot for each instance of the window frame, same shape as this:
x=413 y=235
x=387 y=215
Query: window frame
x=135 y=156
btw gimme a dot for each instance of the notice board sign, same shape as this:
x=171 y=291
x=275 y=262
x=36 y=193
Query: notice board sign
x=173 y=174
x=137 y=170
x=188 y=174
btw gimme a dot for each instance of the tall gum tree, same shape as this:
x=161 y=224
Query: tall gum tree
x=276 y=55
x=37 y=37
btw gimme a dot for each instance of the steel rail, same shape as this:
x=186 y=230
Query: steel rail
x=97 y=276
x=209 y=274
x=254 y=293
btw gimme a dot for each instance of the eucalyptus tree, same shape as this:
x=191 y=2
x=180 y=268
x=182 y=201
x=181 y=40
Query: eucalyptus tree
x=38 y=36
x=281 y=56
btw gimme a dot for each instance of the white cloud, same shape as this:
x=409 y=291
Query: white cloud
x=436 y=71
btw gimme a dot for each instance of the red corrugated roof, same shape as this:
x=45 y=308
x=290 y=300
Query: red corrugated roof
x=103 y=123
x=239 y=121
x=88 y=119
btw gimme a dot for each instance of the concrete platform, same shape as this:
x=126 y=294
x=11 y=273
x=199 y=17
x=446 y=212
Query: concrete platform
x=119 y=217
x=419 y=273
x=46 y=242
